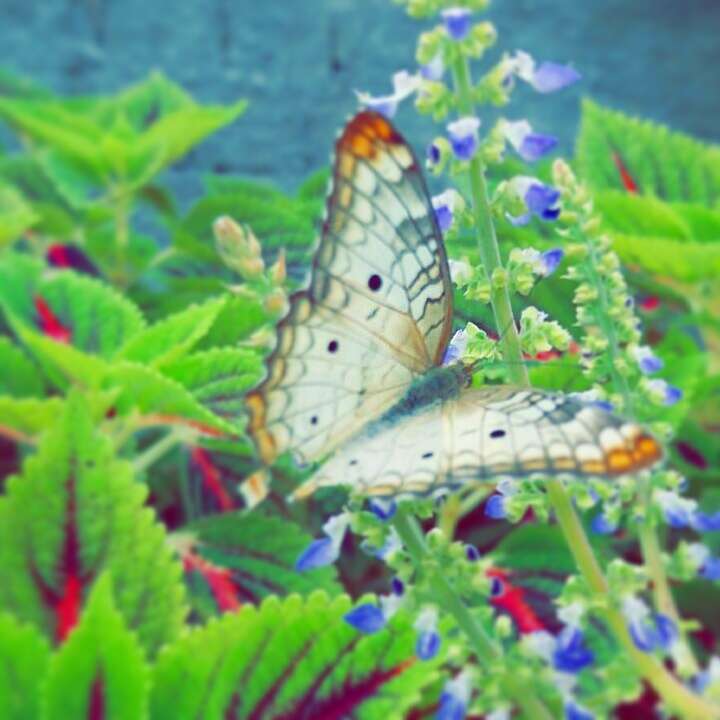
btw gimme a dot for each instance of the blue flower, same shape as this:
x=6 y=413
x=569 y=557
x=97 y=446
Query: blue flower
x=404 y=85
x=428 y=641
x=649 y=632
x=602 y=526
x=573 y=711
x=366 y=618
x=540 y=200
x=383 y=509
x=530 y=146
x=463 y=134
x=398 y=586
x=706 y=522
x=647 y=361
x=547 y=77
x=456 y=349
x=454 y=699
x=433 y=154
x=666 y=393
x=679 y=512
x=444 y=204
x=708 y=567
x=457 y=22
x=433 y=70
x=472 y=553
x=325 y=551
x=495 y=507
x=550 y=260
x=571 y=654
x=711 y=569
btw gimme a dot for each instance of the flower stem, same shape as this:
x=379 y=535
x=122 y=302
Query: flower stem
x=676 y=695
x=155 y=451
x=486 y=650
x=487 y=241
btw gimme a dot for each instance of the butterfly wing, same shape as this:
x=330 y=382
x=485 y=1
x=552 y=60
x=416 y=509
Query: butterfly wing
x=378 y=309
x=484 y=434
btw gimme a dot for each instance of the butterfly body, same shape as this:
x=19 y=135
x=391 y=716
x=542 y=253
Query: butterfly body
x=355 y=374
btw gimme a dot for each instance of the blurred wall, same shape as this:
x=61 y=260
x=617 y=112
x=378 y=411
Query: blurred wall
x=298 y=61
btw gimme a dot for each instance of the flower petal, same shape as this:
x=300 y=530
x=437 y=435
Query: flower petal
x=549 y=77
x=319 y=553
x=366 y=618
x=457 y=22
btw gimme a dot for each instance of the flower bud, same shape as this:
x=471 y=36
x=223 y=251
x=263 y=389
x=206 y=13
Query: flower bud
x=238 y=248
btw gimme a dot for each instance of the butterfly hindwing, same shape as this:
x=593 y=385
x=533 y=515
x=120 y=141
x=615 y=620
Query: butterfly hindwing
x=483 y=435
x=377 y=312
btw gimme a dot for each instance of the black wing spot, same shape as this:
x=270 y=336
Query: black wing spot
x=313 y=420
x=332 y=346
x=427 y=455
x=375 y=282
x=497 y=434
x=353 y=462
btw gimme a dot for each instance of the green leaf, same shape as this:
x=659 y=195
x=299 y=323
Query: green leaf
x=668 y=165
x=240 y=317
x=24 y=658
x=218 y=378
x=16 y=215
x=75 y=512
x=19 y=376
x=100 y=319
x=174 y=336
x=145 y=389
x=534 y=547
x=28 y=416
x=261 y=551
x=100 y=671
x=292 y=658
x=19 y=276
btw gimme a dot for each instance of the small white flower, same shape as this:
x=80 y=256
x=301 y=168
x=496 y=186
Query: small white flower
x=404 y=85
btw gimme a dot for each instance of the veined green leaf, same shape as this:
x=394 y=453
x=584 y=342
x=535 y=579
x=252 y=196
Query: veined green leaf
x=16 y=215
x=145 y=389
x=28 y=416
x=24 y=658
x=19 y=377
x=260 y=550
x=75 y=512
x=291 y=659
x=666 y=164
x=218 y=378
x=640 y=215
x=19 y=276
x=100 y=671
x=174 y=336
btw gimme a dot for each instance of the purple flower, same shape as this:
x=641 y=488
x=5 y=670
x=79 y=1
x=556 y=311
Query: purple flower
x=463 y=135
x=457 y=22
x=433 y=70
x=649 y=632
x=679 y=512
x=444 y=205
x=454 y=699
x=571 y=654
x=404 y=85
x=550 y=260
x=546 y=78
x=495 y=507
x=602 y=526
x=710 y=569
x=366 y=618
x=573 y=711
x=324 y=551
x=456 y=349
x=550 y=76
x=667 y=393
x=433 y=154
x=398 y=586
x=647 y=361
x=530 y=146
x=383 y=509
x=540 y=200
x=428 y=641
x=472 y=553
x=706 y=522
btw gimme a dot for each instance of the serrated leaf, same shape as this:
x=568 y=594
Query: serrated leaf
x=28 y=416
x=218 y=378
x=291 y=659
x=19 y=275
x=261 y=551
x=172 y=337
x=19 y=376
x=669 y=165
x=99 y=318
x=24 y=658
x=100 y=671
x=74 y=512
x=534 y=547
x=241 y=316
x=16 y=215
x=145 y=389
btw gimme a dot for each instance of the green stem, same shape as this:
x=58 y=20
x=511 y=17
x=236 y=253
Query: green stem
x=487 y=241
x=676 y=695
x=486 y=651
x=121 y=200
x=155 y=451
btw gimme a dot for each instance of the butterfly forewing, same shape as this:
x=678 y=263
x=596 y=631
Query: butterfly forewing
x=483 y=435
x=377 y=312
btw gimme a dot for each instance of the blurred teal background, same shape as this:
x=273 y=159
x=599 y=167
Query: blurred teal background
x=297 y=61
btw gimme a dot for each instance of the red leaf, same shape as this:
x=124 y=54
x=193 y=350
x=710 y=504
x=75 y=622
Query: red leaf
x=219 y=581
x=211 y=478
x=511 y=599
x=68 y=256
